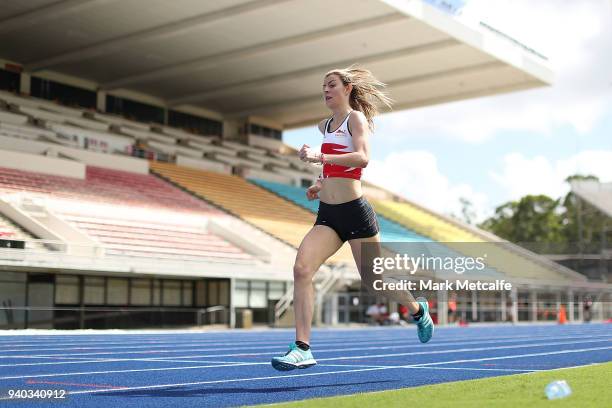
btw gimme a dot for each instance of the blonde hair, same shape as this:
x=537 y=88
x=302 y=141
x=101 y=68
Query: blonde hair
x=365 y=88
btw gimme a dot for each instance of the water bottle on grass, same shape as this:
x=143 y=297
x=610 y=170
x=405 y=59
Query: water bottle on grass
x=557 y=389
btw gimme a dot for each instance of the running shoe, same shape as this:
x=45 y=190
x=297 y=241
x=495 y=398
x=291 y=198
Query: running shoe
x=425 y=326
x=294 y=358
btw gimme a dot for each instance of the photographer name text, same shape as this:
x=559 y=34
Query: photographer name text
x=385 y=285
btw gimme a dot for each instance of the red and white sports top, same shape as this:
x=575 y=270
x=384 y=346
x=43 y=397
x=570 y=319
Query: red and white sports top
x=339 y=141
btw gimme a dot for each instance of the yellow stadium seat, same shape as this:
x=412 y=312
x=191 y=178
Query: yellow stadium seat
x=500 y=257
x=272 y=214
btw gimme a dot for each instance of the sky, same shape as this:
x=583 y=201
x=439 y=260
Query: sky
x=495 y=149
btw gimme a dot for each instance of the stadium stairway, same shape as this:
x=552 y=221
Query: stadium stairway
x=10 y=231
x=270 y=213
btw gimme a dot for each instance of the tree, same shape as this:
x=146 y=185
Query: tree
x=582 y=223
x=532 y=219
x=468 y=214
x=565 y=225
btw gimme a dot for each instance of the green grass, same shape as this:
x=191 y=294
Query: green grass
x=590 y=388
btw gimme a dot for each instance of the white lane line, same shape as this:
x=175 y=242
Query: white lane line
x=550 y=353
x=146 y=345
x=460 y=350
x=136 y=370
x=277 y=377
x=435 y=368
x=176 y=349
x=402 y=345
x=275 y=339
x=112 y=360
x=320 y=335
x=182 y=343
x=148 y=387
x=511 y=370
x=165 y=347
x=319 y=359
x=178 y=340
x=463 y=343
x=179 y=359
x=351 y=365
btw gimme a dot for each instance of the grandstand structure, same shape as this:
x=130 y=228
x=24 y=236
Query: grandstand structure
x=144 y=180
x=592 y=255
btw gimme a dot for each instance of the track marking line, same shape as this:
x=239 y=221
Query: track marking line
x=301 y=375
x=480 y=369
x=436 y=368
x=74 y=384
x=332 y=350
x=460 y=350
x=110 y=360
x=341 y=340
x=550 y=353
x=324 y=359
x=136 y=370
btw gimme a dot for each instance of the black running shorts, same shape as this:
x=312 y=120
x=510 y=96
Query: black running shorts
x=351 y=220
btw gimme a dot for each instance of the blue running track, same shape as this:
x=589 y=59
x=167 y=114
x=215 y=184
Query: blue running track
x=231 y=368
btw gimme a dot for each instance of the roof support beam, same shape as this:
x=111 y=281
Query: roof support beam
x=239 y=87
x=437 y=100
x=48 y=12
x=211 y=61
x=318 y=98
x=155 y=33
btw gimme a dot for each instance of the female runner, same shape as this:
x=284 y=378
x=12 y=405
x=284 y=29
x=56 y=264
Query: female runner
x=344 y=214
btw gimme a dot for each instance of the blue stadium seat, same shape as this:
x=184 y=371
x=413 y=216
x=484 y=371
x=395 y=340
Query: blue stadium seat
x=390 y=231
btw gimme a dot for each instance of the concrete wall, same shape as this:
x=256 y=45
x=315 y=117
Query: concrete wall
x=104 y=160
x=13 y=118
x=42 y=164
x=114 y=162
x=48 y=226
x=18 y=216
x=265 y=142
x=268 y=175
x=203 y=164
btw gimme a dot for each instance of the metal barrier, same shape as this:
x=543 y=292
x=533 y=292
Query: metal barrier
x=22 y=317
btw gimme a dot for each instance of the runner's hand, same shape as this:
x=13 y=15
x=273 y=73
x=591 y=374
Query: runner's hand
x=313 y=192
x=308 y=155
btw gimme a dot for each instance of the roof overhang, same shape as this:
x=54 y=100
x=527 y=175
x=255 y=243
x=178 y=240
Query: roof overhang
x=599 y=195
x=266 y=58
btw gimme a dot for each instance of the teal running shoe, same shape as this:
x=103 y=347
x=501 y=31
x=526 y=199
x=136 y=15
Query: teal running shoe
x=294 y=358
x=425 y=326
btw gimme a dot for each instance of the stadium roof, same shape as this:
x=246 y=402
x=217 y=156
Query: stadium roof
x=599 y=195
x=265 y=57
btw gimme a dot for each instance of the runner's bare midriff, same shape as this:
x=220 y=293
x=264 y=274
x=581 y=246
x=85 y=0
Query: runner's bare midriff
x=340 y=190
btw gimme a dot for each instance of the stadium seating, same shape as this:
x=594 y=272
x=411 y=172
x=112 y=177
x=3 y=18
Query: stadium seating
x=24 y=131
x=267 y=211
x=37 y=103
x=390 y=231
x=424 y=222
x=392 y=234
x=398 y=221
x=117 y=120
x=42 y=120
x=130 y=238
x=116 y=214
x=13 y=118
x=515 y=263
x=104 y=185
